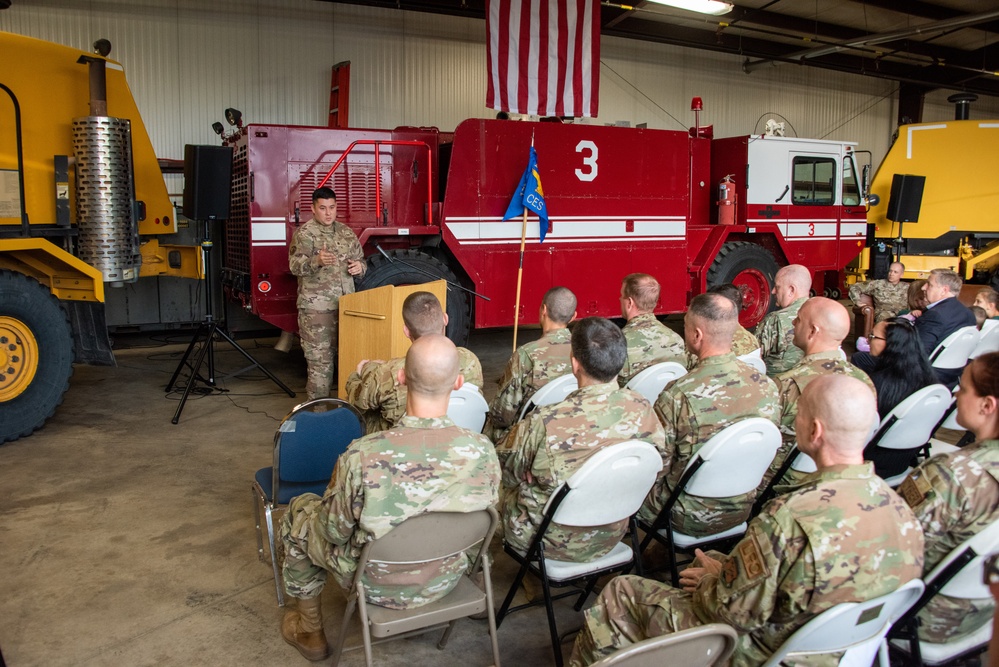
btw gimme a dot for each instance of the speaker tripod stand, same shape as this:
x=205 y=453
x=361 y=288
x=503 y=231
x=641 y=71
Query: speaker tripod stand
x=209 y=331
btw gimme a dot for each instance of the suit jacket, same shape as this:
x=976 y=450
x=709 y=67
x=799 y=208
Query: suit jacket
x=941 y=321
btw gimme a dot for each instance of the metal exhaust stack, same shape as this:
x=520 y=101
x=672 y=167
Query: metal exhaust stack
x=962 y=104
x=105 y=185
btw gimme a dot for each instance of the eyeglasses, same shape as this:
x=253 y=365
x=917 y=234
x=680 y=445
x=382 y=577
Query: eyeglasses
x=873 y=337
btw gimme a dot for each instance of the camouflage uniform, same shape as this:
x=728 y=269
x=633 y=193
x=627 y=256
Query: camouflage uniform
x=842 y=536
x=529 y=369
x=888 y=299
x=382 y=400
x=743 y=343
x=791 y=384
x=716 y=393
x=422 y=465
x=649 y=342
x=546 y=449
x=776 y=334
x=319 y=291
x=954 y=497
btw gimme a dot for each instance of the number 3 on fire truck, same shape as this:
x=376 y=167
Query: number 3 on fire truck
x=588 y=160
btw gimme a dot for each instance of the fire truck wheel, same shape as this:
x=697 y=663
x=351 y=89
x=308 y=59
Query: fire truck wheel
x=412 y=267
x=36 y=354
x=752 y=269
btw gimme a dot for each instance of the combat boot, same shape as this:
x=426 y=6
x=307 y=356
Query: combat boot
x=303 y=629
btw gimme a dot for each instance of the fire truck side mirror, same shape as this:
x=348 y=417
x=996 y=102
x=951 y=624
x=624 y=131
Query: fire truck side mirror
x=873 y=199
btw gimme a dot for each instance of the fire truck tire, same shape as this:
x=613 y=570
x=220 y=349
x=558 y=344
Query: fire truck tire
x=36 y=355
x=412 y=267
x=752 y=268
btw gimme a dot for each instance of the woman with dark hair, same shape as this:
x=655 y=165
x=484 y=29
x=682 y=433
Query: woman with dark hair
x=900 y=369
x=956 y=495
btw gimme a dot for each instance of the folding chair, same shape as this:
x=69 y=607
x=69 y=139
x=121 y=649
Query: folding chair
x=554 y=392
x=422 y=539
x=307 y=444
x=857 y=629
x=796 y=460
x=988 y=340
x=467 y=408
x=959 y=575
x=954 y=350
x=910 y=424
x=609 y=487
x=731 y=463
x=651 y=381
x=754 y=359
x=703 y=646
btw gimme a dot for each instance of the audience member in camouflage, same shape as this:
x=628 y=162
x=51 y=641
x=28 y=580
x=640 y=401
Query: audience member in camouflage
x=819 y=330
x=375 y=387
x=425 y=464
x=719 y=391
x=775 y=333
x=534 y=364
x=544 y=450
x=743 y=342
x=956 y=495
x=649 y=341
x=890 y=296
x=326 y=256
x=841 y=536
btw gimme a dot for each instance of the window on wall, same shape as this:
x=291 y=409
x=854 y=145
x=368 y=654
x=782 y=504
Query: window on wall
x=851 y=193
x=814 y=181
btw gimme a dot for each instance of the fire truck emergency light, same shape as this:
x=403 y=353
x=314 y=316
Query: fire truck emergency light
x=234 y=117
x=713 y=7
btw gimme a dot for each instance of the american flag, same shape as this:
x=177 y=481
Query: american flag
x=544 y=57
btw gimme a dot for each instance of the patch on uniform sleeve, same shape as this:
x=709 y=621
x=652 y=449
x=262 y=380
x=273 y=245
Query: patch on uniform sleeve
x=730 y=570
x=914 y=490
x=752 y=559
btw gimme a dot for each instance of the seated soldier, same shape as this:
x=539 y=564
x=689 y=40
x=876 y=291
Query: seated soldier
x=841 y=536
x=374 y=388
x=719 y=391
x=424 y=464
x=545 y=449
x=775 y=333
x=534 y=364
x=649 y=341
x=889 y=296
x=819 y=330
x=743 y=342
x=956 y=495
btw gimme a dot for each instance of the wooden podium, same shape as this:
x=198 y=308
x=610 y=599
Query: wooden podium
x=371 y=325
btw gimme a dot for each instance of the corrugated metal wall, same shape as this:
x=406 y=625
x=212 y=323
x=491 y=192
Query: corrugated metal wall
x=188 y=60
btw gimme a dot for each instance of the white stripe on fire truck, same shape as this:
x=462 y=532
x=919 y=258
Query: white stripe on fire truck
x=268 y=243
x=598 y=239
x=267 y=231
x=578 y=228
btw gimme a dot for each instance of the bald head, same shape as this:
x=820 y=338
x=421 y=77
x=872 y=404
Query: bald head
x=431 y=366
x=835 y=416
x=791 y=283
x=821 y=325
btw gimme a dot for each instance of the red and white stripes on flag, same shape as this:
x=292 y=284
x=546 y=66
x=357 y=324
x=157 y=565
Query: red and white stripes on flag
x=544 y=57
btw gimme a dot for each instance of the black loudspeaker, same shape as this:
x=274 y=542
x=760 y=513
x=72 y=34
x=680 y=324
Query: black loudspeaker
x=207 y=182
x=906 y=198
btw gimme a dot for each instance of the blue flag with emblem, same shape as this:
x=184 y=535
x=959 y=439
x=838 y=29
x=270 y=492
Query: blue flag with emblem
x=529 y=196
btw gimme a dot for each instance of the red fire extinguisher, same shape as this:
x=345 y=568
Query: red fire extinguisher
x=726 y=201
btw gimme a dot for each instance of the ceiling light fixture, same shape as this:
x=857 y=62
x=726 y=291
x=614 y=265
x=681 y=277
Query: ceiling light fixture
x=713 y=7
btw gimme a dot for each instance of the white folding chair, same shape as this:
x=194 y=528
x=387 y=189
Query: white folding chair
x=954 y=350
x=703 y=646
x=467 y=408
x=857 y=629
x=754 y=359
x=959 y=575
x=731 y=463
x=554 y=392
x=910 y=424
x=797 y=461
x=651 y=381
x=988 y=340
x=608 y=488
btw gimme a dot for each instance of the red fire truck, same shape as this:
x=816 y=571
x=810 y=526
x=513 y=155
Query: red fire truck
x=427 y=204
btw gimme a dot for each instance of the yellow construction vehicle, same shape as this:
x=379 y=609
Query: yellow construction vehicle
x=82 y=204
x=957 y=226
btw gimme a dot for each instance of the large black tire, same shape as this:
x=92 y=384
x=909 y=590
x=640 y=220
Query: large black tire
x=36 y=355
x=412 y=267
x=752 y=268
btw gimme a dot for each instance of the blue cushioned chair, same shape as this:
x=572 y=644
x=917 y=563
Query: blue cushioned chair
x=307 y=445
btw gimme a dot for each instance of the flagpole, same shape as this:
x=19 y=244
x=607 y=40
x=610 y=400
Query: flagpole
x=520 y=275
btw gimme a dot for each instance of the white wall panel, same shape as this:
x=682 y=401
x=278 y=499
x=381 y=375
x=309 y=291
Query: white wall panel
x=188 y=60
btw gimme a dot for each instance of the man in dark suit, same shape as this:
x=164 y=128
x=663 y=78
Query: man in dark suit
x=943 y=316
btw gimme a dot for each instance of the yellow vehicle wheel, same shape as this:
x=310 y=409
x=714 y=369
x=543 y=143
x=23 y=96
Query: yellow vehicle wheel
x=36 y=354
x=18 y=357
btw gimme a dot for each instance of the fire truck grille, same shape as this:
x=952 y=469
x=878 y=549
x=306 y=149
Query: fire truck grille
x=237 y=229
x=357 y=191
